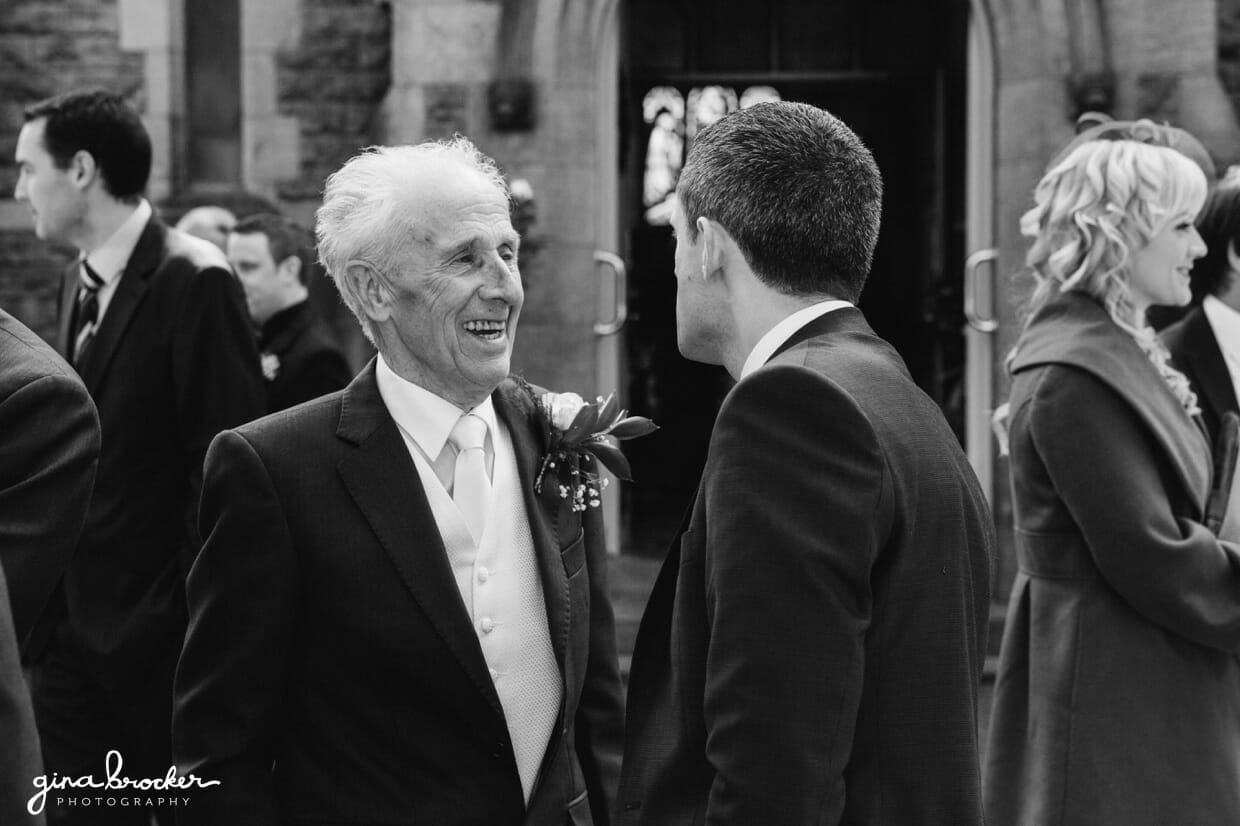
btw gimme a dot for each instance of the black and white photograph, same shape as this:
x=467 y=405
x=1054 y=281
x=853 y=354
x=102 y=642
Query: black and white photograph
x=619 y=413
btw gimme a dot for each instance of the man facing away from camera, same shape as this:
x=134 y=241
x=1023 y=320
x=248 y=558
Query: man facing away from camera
x=388 y=623
x=154 y=322
x=812 y=647
x=300 y=358
x=49 y=448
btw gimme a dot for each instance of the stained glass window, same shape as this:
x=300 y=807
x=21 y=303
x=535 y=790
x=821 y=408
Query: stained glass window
x=663 y=109
x=708 y=104
x=673 y=122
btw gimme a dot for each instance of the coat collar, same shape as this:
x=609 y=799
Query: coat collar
x=128 y=296
x=384 y=483
x=843 y=320
x=278 y=334
x=1074 y=329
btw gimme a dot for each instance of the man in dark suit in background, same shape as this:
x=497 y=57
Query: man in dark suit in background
x=155 y=323
x=49 y=448
x=389 y=624
x=1205 y=344
x=300 y=358
x=812 y=647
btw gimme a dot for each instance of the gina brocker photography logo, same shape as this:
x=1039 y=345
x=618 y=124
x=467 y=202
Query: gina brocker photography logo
x=114 y=788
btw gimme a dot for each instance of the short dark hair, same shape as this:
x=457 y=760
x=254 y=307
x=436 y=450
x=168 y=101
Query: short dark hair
x=104 y=125
x=1219 y=225
x=285 y=237
x=798 y=191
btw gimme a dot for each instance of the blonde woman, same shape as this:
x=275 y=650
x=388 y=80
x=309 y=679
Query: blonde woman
x=1118 y=694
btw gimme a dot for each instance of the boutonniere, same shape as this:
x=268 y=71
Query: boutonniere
x=271 y=366
x=582 y=435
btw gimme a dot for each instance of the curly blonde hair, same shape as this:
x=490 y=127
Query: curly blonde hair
x=1092 y=209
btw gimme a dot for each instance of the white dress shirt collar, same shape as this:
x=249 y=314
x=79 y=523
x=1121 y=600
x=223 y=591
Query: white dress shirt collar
x=108 y=260
x=784 y=330
x=425 y=416
x=1225 y=323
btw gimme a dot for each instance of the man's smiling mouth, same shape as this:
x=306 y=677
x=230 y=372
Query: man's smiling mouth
x=490 y=330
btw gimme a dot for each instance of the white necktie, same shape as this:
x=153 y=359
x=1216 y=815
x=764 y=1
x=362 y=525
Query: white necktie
x=471 y=487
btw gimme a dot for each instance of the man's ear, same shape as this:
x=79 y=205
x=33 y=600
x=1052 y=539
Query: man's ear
x=82 y=169
x=717 y=246
x=290 y=270
x=372 y=292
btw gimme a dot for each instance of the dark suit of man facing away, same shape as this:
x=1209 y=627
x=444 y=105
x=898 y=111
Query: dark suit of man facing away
x=364 y=645
x=20 y=761
x=154 y=321
x=49 y=447
x=811 y=650
x=49 y=450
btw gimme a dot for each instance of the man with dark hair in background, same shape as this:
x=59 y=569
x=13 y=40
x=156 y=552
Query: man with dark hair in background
x=812 y=647
x=154 y=322
x=300 y=358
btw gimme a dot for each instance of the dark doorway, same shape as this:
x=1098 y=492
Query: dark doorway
x=895 y=73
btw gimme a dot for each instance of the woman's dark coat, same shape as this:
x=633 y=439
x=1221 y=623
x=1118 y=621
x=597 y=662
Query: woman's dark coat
x=1118 y=695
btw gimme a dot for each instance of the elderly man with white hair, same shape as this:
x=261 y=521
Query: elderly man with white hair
x=392 y=619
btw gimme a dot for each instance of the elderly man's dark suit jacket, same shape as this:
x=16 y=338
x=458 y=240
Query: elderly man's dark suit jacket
x=331 y=674
x=302 y=360
x=1195 y=352
x=49 y=449
x=812 y=647
x=172 y=364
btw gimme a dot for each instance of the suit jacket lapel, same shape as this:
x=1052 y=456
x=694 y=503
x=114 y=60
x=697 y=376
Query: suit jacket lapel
x=517 y=411
x=384 y=483
x=129 y=293
x=68 y=309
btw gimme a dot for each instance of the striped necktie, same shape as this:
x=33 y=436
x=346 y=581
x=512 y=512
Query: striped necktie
x=87 y=311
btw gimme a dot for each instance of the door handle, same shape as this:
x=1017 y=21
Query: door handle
x=972 y=283
x=620 y=288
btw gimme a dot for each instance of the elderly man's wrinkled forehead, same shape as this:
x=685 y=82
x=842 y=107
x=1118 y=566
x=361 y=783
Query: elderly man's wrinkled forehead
x=432 y=184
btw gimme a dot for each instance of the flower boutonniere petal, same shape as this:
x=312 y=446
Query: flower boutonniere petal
x=271 y=366
x=581 y=436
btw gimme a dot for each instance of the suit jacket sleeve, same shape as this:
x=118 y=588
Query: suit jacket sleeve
x=49 y=448
x=20 y=760
x=231 y=676
x=219 y=383
x=600 y=714
x=1119 y=490
x=796 y=499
